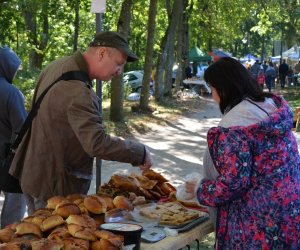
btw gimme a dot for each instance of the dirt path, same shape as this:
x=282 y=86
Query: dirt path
x=177 y=148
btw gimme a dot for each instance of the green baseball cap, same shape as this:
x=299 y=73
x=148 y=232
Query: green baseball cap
x=114 y=40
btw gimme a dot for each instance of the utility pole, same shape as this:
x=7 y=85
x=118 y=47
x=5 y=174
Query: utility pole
x=98 y=7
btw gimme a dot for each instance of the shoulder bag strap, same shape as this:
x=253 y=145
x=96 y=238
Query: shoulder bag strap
x=70 y=75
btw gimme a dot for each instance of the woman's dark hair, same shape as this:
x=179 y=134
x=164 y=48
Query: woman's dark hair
x=233 y=83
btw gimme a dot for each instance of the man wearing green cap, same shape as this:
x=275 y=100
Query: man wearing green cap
x=56 y=156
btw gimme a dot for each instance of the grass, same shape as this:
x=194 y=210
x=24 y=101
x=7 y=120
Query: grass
x=136 y=121
x=141 y=122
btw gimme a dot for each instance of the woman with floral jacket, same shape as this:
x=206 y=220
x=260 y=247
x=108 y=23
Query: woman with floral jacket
x=251 y=166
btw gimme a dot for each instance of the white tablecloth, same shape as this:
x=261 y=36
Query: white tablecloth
x=183 y=239
x=200 y=82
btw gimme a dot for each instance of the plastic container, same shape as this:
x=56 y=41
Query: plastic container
x=131 y=232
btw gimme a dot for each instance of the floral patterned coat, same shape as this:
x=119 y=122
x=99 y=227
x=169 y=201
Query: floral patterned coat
x=257 y=192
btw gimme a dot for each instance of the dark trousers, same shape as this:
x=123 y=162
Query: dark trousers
x=282 y=80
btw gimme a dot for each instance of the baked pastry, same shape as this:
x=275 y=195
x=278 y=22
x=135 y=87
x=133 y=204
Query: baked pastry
x=59 y=233
x=108 y=200
x=95 y=204
x=82 y=220
x=167 y=188
x=54 y=201
x=75 y=244
x=16 y=245
x=28 y=228
x=38 y=219
x=152 y=175
x=74 y=197
x=65 y=209
x=170 y=213
x=80 y=204
x=81 y=232
x=43 y=211
x=144 y=181
x=47 y=244
x=123 y=203
x=104 y=244
x=124 y=183
x=51 y=222
x=139 y=200
x=6 y=234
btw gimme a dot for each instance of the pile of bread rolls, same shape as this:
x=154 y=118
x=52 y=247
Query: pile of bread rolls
x=70 y=222
x=150 y=184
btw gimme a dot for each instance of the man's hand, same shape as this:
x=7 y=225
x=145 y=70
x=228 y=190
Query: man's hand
x=147 y=162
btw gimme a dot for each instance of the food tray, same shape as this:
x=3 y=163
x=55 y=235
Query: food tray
x=192 y=224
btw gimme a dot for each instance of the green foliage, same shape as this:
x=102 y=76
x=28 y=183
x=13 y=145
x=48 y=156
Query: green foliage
x=239 y=27
x=26 y=82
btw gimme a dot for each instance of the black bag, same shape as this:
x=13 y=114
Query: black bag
x=8 y=183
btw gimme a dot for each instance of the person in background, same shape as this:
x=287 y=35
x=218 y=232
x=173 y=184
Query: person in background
x=255 y=68
x=290 y=76
x=251 y=166
x=12 y=116
x=297 y=72
x=189 y=71
x=261 y=78
x=265 y=66
x=56 y=157
x=283 y=72
x=270 y=76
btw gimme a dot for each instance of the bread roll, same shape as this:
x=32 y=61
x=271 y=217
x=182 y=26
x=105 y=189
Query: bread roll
x=80 y=204
x=82 y=220
x=81 y=232
x=43 y=211
x=59 y=233
x=111 y=244
x=21 y=244
x=95 y=204
x=6 y=234
x=74 y=197
x=75 y=244
x=108 y=200
x=38 y=219
x=65 y=209
x=47 y=244
x=55 y=200
x=51 y=222
x=28 y=228
x=123 y=203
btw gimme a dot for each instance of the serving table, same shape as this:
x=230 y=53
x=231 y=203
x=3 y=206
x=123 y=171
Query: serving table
x=196 y=83
x=182 y=239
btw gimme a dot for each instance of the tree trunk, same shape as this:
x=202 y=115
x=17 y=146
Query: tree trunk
x=144 y=100
x=171 y=48
x=180 y=61
x=162 y=57
x=36 y=55
x=117 y=88
x=76 y=25
x=185 y=35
